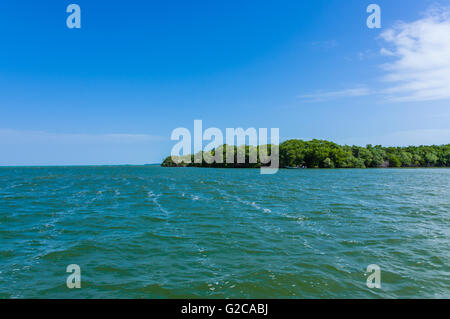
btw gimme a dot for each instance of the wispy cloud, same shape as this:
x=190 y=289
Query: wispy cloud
x=404 y=138
x=44 y=148
x=321 y=96
x=325 y=45
x=419 y=65
x=20 y=137
x=421 y=52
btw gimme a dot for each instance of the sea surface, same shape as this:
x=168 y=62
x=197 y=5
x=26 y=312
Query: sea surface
x=153 y=232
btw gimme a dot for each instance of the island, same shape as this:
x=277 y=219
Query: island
x=316 y=153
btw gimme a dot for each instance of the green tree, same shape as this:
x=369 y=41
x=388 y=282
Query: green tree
x=394 y=161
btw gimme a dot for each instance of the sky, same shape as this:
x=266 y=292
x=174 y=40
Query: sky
x=112 y=91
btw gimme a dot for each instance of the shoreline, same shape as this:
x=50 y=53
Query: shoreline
x=299 y=154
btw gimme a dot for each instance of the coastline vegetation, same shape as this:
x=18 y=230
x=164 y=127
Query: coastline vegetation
x=325 y=154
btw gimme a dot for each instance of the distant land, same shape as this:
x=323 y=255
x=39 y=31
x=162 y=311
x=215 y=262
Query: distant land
x=326 y=154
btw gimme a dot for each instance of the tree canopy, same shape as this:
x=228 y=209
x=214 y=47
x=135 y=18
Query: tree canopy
x=325 y=154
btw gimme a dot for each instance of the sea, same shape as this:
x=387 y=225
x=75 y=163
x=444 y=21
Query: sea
x=154 y=232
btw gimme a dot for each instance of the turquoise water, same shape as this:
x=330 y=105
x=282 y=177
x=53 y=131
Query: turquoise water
x=152 y=232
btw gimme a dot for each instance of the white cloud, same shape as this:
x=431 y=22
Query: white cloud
x=404 y=138
x=332 y=95
x=386 y=52
x=421 y=52
x=36 y=137
x=419 y=67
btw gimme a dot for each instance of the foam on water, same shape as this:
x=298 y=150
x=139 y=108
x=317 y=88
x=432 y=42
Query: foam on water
x=145 y=231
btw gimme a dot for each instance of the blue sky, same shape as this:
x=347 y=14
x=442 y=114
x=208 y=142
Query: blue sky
x=113 y=91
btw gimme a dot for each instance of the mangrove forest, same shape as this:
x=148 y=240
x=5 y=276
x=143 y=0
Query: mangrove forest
x=324 y=154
